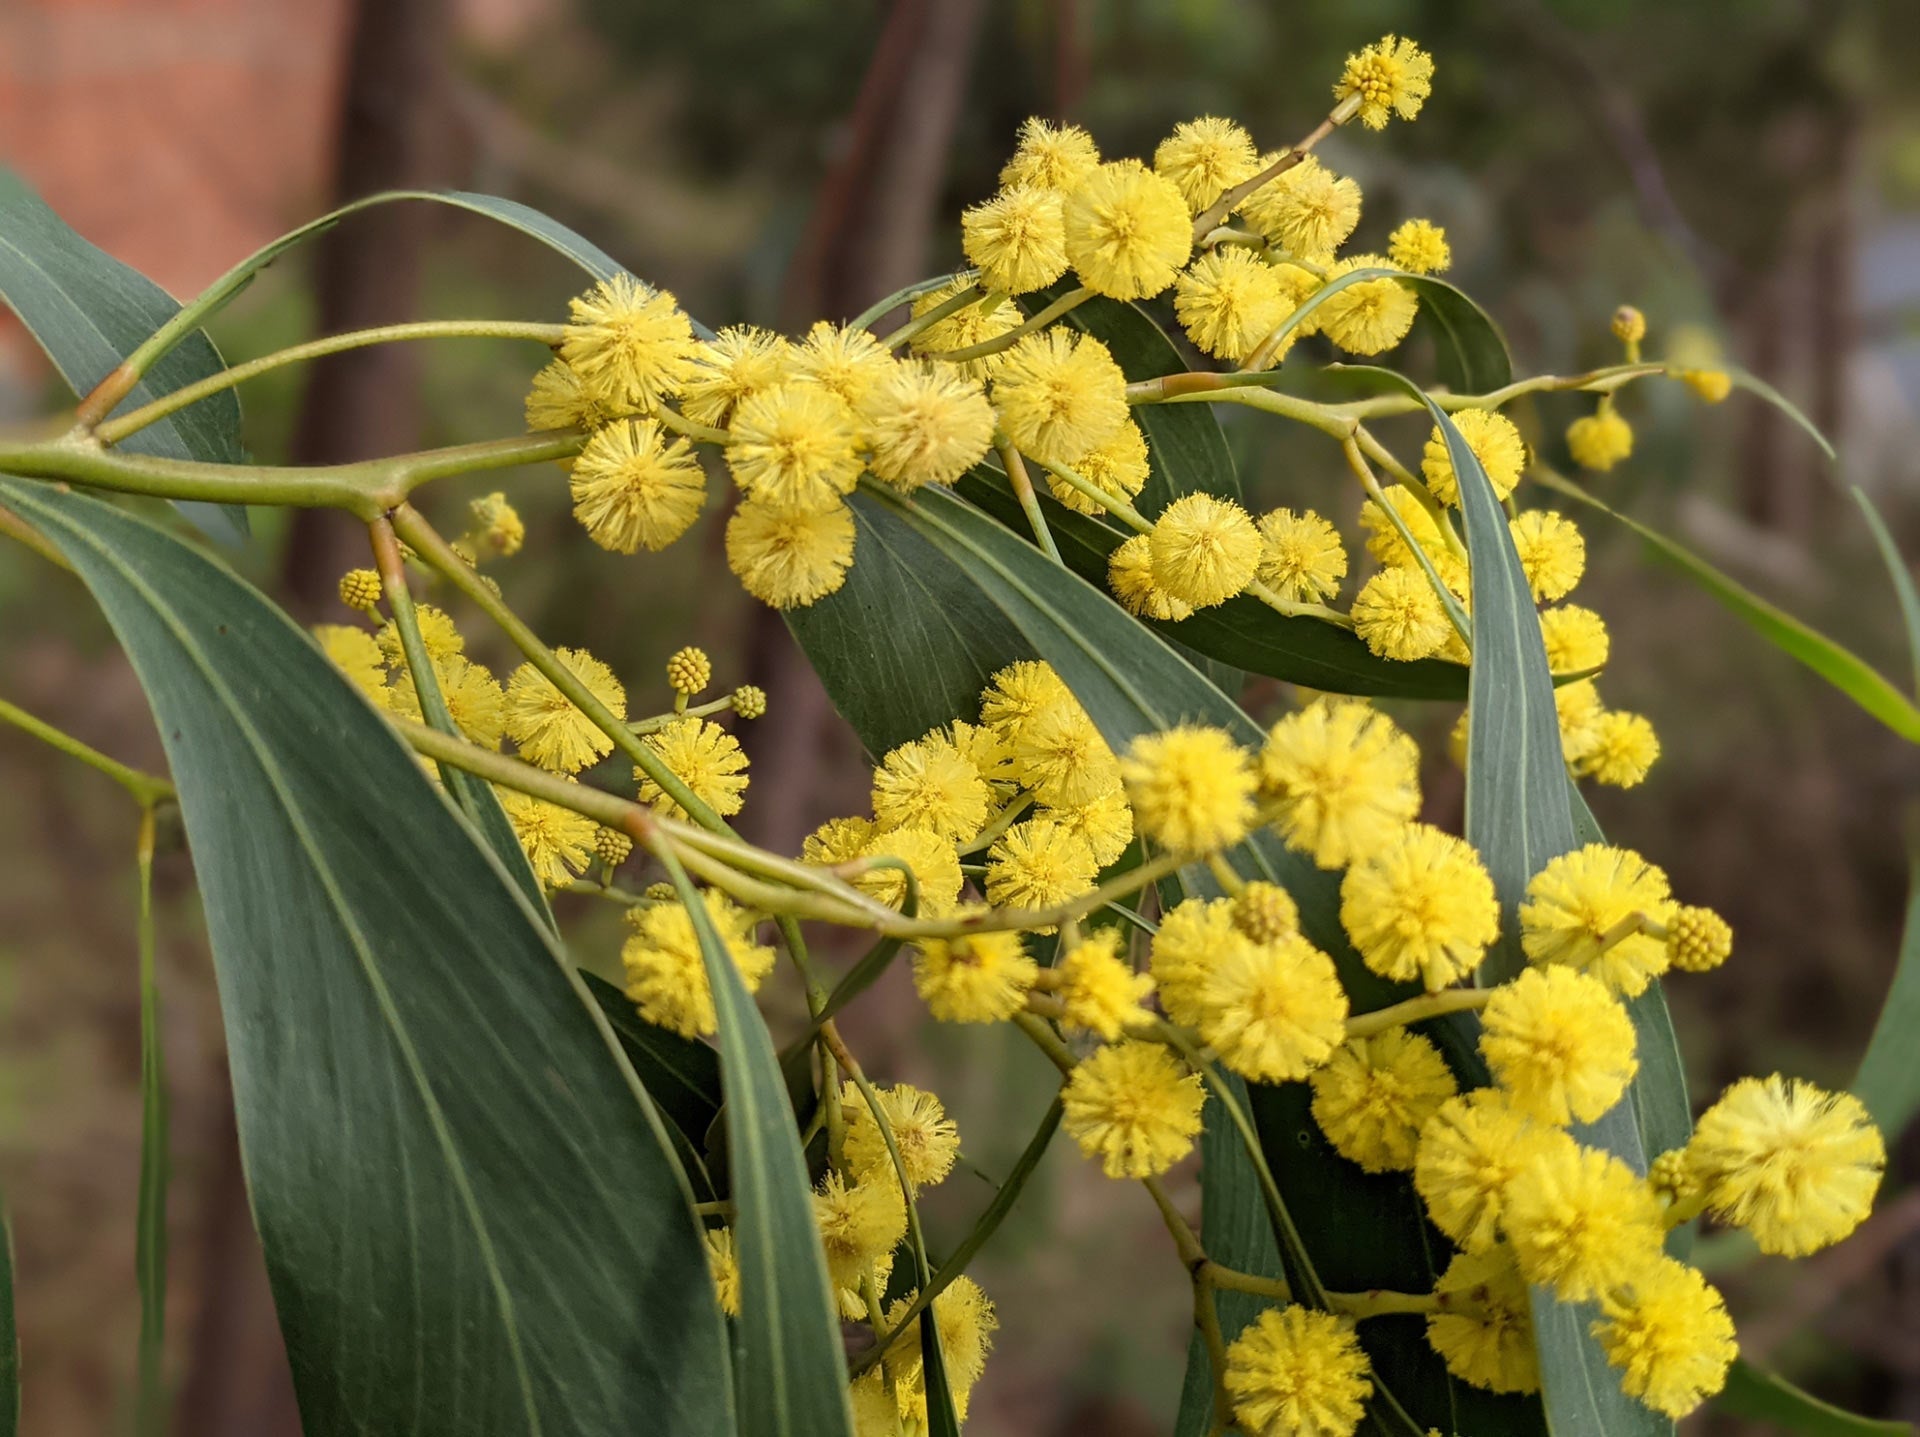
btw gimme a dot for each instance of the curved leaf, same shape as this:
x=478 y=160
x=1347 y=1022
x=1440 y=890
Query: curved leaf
x=1759 y=387
x=1763 y=1396
x=89 y=311
x=471 y=1217
x=1888 y=1080
x=1897 y=571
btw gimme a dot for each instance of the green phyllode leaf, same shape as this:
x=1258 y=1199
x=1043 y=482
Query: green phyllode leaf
x=1762 y=1396
x=470 y=1212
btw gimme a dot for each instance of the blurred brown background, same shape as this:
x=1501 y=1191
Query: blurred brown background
x=1750 y=170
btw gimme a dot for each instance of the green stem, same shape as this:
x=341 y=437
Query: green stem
x=1449 y=605
x=147 y=789
x=625 y=897
x=1067 y=302
x=1029 y=501
x=413 y=645
x=867 y=316
x=112 y=431
x=1206 y=1313
x=151 y=1246
x=1234 y=1280
x=660 y=721
x=1418 y=1010
x=366 y=489
x=21 y=532
x=1112 y=503
x=1378 y=1303
x=999 y=823
x=920 y=323
x=1224 y=206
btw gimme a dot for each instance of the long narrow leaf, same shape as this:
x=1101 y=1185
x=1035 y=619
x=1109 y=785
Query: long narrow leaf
x=1897 y=571
x=1888 y=1080
x=1762 y=1396
x=150 y=1245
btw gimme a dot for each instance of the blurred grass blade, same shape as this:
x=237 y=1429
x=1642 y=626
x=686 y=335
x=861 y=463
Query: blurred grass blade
x=1888 y=1080
x=1755 y=385
x=1839 y=666
x=1897 y=571
x=1761 y=1396
x=89 y=311
x=791 y=1372
x=150 y=1238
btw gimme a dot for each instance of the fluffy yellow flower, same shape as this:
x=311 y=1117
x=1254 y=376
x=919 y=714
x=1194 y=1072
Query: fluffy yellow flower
x=705 y=757
x=1494 y=442
x=497 y=526
x=1134 y=1106
x=926 y=1137
x=1128 y=231
x=630 y=345
x=1205 y=549
x=740 y=361
x=848 y=363
x=1052 y=156
x=1369 y=316
x=1306 y=210
x=1301 y=556
x=1796 y=1166
x=975 y=978
x=1130 y=576
x=1600 y=440
x=1059 y=397
x=1343 y=777
x=1578 y=708
x=1419 y=247
x=1020 y=693
x=1298 y=1373
x=1191 y=788
x=926 y=424
x=929 y=784
x=557 y=841
x=1421 y=906
x=475 y=701
x=935 y=866
x=1383 y=535
x=1709 y=386
x=1580 y=1220
x=795 y=445
x=1191 y=940
x=548 y=728
x=1670 y=1335
x=964 y=1317
x=558 y=400
x=1698 y=939
x=666 y=976
x=1038 y=864
x=1375 y=1095
x=1017 y=239
x=1488 y=1339
x=1119 y=467
x=860 y=1225
x=1469 y=1154
x=1552 y=553
x=1578 y=898
x=1205 y=158
x=1619 y=750
x=1228 y=301
x=356 y=653
x=982 y=747
x=964 y=328
x=789 y=558
x=636 y=486
x=725 y=1267
x=1393 y=77
x=1101 y=993
x=1273 y=1011
x=438 y=636
x=1575 y=637
x=1104 y=823
x=838 y=841
x=1559 y=1044
x=1399 y=616
x=1060 y=755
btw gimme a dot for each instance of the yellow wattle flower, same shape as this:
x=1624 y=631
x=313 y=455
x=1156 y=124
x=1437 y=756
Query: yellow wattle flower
x=930 y=784
x=1307 y=210
x=975 y=978
x=636 y=486
x=1369 y=316
x=629 y=345
x=1039 y=864
x=1419 y=247
x=1391 y=77
x=1400 y=617
x=356 y=653
x=1579 y=898
x=1559 y=1045
x=1134 y=1106
x=860 y=1223
x=1128 y=231
x=932 y=860
x=666 y=976
x=1301 y=556
x=1620 y=750
x=557 y=841
x=1017 y=239
x=1130 y=576
x=1298 y=1373
x=703 y=756
x=844 y=361
x=1494 y=442
x=549 y=730
x=925 y=424
x=1191 y=788
x=1059 y=397
x=1120 y=467
x=1669 y=1333
x=1273 y=1011
x=1420 y=907
x=1055 y=157
x=1552 y=553
x=1205 y=549
x=795 y=446
x=789 y=558
x=1102 y=995
x=1205 y=158
x=1343 y=777
x=1469 y=1154
x=740 y=361
x=927 y=1140
x=1104 y=823
x=1375 y=1094
x=1228 y=301
x=1600 y=440
x=1488 y=1339
x=1580 y=1220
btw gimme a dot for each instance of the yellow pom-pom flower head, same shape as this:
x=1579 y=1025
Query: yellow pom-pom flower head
x=1343 y=778
x=1128 y=231
x=689 y=670
x=1301 y=556
x=635 y=486
x=1698 y=939
x=558 y=400
x=1265 y=912
x=1055 y=157
x=356 y=653
x=1119 y=467
x=1130 y=576
x=1192 y=939
x=1494 y=442
x=1376 y=1093
x=1273 y=1011
x=361 y=589
x=930 y=858
x=789 y=558
x=1796 y=1166
x=1580 y=1220
x=1559 y=1044
x=1101 y=994
x=1552 y=553
x=930 y=784
x=1307 y=210
x=1469 y=1153
x=557 y=841
x=1400 y=617
x=1485 y=1334
x=1205 y=158
x=1421 y=906
x=975 y=978
x=1384 y=540
x=1205 y=549
x=725 y=1267
x=1105 y=823
x=550 y=731
x=740 y=361
x=1669 y=1334
x=1017 y=239
x=1369 y=316
x=1228 y=301
x=1600 y=440
x=438 y=636
x=964 y=328
x=703 y=756
x=1059 y=397
x=1298 y=1373
x=473 y=696
x=925 y=424
x=926 y=1137
x=1392 y=77
x=1620 y=749
x=1135 y=1107
x=1060 y=755
x=1020 y=693
x=844 y=361
x=794 y=446
x=666 y=975
x=629 y=345
x=966 y=1321
x=1191 y=788
x=1419 y=247
x=1579 y=899
x=860 y=1225
x=1038 y=864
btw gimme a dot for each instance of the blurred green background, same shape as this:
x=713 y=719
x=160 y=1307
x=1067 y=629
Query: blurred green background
x=1748 y=171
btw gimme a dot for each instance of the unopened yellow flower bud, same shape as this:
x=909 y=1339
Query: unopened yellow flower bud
x=1698 y=939
x=1266 y=912
x=689 y=670
x=1629 y=325
x=611 y=846
x=750 y=701
x=497 y=526
x=360 y=589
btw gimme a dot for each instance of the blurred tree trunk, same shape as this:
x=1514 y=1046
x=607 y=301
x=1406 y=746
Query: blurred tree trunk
x=357 y=405
x=870 y=234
